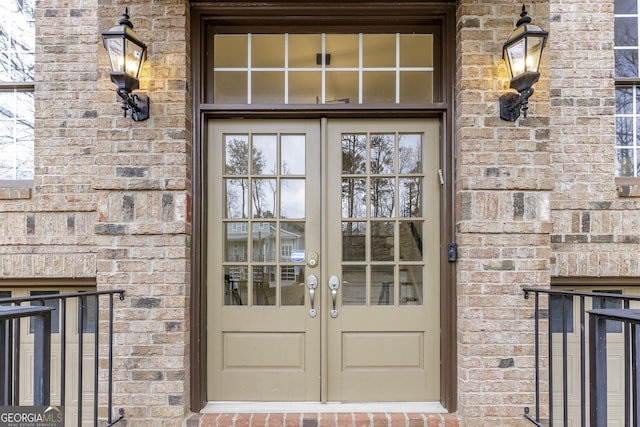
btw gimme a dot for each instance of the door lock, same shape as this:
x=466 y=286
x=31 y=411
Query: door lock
x=312 y=260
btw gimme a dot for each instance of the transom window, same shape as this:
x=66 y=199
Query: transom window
x=323 y=68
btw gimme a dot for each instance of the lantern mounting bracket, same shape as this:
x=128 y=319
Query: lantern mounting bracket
x=136 y=104
x=512 y=103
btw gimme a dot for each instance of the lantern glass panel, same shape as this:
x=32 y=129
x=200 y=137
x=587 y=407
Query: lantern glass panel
x=115 y=47
x=133 y=58
x=516 y=57
x=535 y=45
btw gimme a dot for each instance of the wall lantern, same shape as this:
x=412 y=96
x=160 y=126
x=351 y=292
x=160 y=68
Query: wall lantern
x=127 y=52
x=522 y=52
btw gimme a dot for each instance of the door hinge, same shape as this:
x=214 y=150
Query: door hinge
x=452 y=252
x=441 y=176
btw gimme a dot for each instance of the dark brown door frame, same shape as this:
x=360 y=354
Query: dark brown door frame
x=320 y=16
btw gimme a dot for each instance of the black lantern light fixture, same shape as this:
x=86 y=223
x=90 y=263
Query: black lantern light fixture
x=127 y=52
x=522 y=52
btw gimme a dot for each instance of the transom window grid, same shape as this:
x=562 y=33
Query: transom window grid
x=380 y=69
x=382 y=219
x=627 y=48
x=264 y=186
x=17 y=51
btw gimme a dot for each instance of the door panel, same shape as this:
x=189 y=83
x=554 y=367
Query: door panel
x=298 y=204
x=383 y=222
x=263 y=343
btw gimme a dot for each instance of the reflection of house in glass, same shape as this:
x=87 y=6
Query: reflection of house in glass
x=273 y=245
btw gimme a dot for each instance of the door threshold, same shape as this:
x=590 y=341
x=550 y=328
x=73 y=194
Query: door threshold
x=335 y=407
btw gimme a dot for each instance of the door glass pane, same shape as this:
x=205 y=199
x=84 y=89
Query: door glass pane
x=410 y=240
x=410 y=197
x=382 y=197
x=265 y=154
x=236 y=154
x=354 y=154
x=264 y=241
x=237 y=192
x=382 y=241
x=292 y=284
x=264 y=284
x=354 y=198
x=411 y=285
x=236 y=242
x=382 y=285
x=293 y=149
x=354 y=285
x=354 y=237
x=292 y=202
x=292 y=242
x=382 y=154
x=263 y=198
x=235 y=282
x=409 y=159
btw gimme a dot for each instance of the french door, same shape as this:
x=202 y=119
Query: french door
x=323 y=260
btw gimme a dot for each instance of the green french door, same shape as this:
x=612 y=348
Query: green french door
x=323 y=260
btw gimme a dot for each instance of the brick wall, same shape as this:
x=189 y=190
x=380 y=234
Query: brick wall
x=111 y=197
x=142 y=183
x=503 y=218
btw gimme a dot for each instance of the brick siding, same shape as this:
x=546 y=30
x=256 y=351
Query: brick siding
x=111 y=199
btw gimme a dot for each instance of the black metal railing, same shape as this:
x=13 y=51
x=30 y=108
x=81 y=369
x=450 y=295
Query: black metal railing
x=63 y=331
x=562 y=354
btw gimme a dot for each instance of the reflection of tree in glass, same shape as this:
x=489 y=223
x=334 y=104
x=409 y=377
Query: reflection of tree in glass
x=353 y=162
x=409 y=161
x=237 y=164
x=382 y=190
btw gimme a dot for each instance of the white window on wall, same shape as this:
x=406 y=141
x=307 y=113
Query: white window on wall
x=17 y=48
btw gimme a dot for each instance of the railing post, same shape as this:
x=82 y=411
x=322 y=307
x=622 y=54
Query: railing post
x=42 y=359
x=598 y=370
x=635 y=376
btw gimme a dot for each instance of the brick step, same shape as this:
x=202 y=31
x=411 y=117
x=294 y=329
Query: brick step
x=341 y=419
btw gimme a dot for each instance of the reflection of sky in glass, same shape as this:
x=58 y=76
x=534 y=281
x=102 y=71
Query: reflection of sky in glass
x=293 y=198
x=410 y=147
x=292 y=153
x=265 y=150
x=16 y=135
